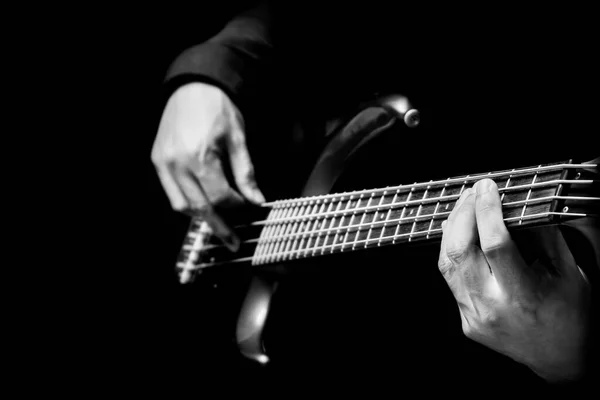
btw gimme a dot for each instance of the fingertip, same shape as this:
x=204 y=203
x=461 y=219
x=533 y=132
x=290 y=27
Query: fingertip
x=484 y=186
x=259 y=198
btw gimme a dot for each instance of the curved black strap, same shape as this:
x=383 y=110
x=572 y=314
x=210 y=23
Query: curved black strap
x=374 y=119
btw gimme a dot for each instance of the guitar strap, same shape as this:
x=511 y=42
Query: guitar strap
x=366 y=125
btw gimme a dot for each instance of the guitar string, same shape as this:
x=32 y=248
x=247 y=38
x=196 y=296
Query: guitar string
x=464 y=180
x=426 y=217
x=467 y=179
x=429 y=232
x=407 y=203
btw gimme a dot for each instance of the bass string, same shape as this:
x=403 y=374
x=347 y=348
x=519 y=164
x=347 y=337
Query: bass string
x=417 y=185
x=373 y=224
x=431 y=233
x=407 y=203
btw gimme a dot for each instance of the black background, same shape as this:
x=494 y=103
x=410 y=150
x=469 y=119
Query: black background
x=143 y=330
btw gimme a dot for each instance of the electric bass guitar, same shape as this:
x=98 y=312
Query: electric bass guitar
x=321 y=222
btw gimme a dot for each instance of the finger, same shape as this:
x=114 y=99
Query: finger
x=243 y=169
x=458 y=249
x=200 y=204
x=499 y=249
x=176 y=197
x=444 y=264
x=461 y=245
x=465 y=193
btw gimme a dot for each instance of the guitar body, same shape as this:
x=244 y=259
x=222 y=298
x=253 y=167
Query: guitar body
x=347 y=163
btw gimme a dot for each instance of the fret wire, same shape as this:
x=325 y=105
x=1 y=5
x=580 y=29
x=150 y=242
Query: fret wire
x=297 y=241
x=412 y=229
x=281 y=236
x=404 y=218
x=437 y=205
x=438 y=230
x=324 y=226
x=265 y=234
x=375 y=216
x=305 y=238
x=402 y=214
x=340 y=226
x=294 y=228
x=499 y=174
x=531 y=216
x=276 y=235
x=370 y=208
x=527 y=198
x=361 y=220
x=337 y=208
x=506 y=186
x=313 y=230
x=387 y=217
x=433 y=215
x=351 y=219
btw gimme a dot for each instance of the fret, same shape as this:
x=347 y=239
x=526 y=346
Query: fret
x=328 y=230
x=387 y=218
x=364 y=214
x=323 y=224
x=402 y=215
x=374 y=219
x=275 y=234
x=315 y=227
x=296 y=243
x=437 y=206
x=340 y=225
x=291 y=231
x=419 y=210
x=264 y=234
x=281 y=237
x=527 y=198
x=507 y=185
x=351 y=222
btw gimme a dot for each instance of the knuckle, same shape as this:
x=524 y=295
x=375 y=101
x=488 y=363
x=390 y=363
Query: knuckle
x=237 y=138
x=490 y=318
x=495 y=243
x=457 y=253
x=467 y=329
x=445 y=266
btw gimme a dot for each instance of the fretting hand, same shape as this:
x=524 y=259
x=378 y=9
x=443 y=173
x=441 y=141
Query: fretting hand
x=535 y=314
x=200 y=136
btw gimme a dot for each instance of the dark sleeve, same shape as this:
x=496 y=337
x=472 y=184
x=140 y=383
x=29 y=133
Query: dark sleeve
x=236 y=59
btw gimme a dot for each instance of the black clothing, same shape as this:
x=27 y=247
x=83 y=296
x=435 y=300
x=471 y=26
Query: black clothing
x=497 y=89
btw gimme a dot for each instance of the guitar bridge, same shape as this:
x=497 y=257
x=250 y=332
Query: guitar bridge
x=198 y=235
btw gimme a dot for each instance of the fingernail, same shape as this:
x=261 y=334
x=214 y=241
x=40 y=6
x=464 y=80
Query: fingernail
x=484 y=186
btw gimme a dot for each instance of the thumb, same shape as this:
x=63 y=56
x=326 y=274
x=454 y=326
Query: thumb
x=243 y=169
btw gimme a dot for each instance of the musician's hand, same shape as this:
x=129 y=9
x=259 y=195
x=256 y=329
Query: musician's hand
x=534 y=314
x=200 y=136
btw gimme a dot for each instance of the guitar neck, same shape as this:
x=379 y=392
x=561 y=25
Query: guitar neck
x=315 y=226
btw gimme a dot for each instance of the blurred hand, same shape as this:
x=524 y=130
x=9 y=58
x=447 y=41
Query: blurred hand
x=200 y=137
x=536 y=314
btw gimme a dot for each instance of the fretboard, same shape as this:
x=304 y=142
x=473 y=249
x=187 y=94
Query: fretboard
x=316 y=226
